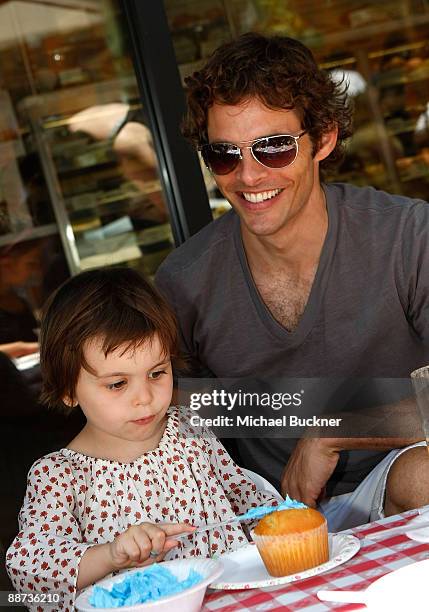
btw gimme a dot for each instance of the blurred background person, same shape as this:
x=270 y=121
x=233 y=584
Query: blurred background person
x=132 y=143
x=20 y=271
x=29 y=270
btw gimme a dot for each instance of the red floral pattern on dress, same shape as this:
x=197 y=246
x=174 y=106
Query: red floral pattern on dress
x=74 y=501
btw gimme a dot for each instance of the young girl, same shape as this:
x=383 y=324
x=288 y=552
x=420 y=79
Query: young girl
x=137 y=474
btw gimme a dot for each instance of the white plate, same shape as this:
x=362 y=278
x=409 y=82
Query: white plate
x=244 y=568
x=420 y=535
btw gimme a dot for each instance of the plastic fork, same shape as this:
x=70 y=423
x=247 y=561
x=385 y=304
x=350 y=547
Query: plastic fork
x=254 y=513
x=208 y=527
x=344 y=596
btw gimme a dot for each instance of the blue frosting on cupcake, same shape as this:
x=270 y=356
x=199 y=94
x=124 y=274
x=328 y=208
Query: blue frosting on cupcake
x=287 y=504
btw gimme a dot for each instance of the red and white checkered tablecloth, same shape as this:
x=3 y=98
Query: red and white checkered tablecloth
x=373 y=560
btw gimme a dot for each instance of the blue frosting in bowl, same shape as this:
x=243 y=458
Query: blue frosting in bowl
x=142 y=587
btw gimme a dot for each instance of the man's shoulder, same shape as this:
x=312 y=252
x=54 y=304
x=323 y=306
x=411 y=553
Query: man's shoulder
x=212 y=240
x=370 y=199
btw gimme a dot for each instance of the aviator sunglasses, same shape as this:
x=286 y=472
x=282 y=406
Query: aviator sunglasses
x=276 y=151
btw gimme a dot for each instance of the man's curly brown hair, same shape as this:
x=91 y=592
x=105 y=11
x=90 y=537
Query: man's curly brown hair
x=283 y=74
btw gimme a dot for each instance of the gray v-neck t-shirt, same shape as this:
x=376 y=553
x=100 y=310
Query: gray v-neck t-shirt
x=367 y=314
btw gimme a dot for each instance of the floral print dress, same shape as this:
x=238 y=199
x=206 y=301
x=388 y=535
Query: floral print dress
x=74 y=501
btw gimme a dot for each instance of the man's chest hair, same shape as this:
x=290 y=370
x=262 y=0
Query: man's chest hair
x=286 y=296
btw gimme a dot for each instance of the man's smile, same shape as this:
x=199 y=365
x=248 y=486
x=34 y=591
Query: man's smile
x=260 y=196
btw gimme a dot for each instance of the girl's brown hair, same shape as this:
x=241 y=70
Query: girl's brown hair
x=116 y=305
x=283 y=74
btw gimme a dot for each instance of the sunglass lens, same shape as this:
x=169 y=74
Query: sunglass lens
x=221 y=158
x=275 y=151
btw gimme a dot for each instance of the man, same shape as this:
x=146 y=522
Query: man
x=303 y=279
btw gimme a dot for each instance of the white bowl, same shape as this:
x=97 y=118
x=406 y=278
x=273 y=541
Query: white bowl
x=189 y=600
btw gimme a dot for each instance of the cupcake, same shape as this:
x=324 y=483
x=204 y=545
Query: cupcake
x=292 y=540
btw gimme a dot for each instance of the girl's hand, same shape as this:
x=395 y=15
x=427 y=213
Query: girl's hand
x=146 y=543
